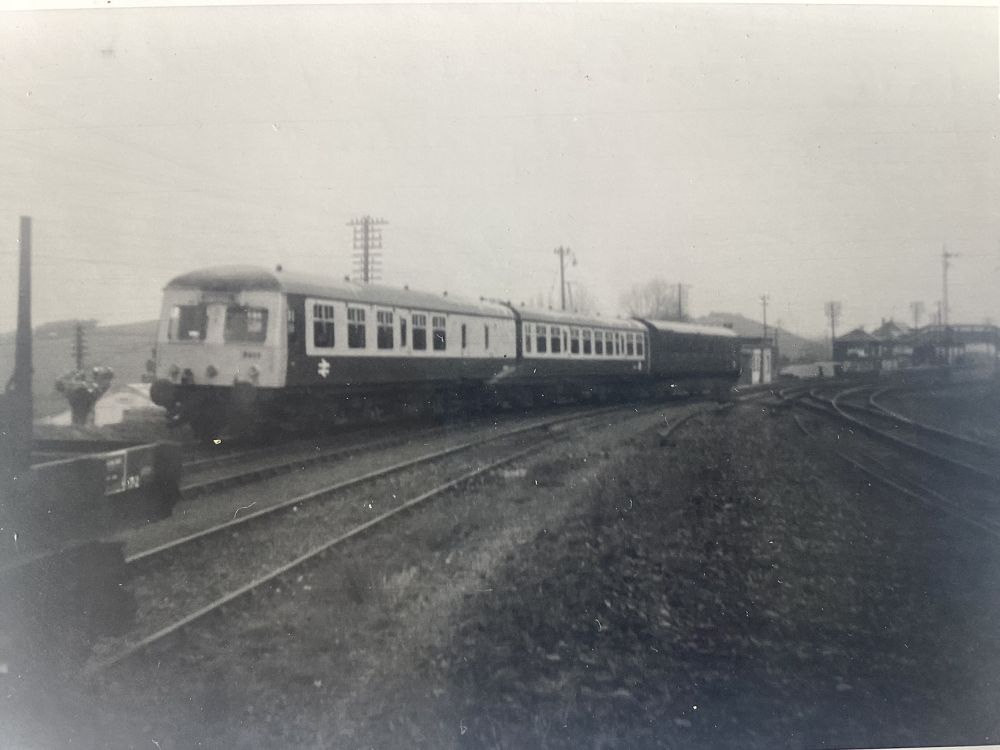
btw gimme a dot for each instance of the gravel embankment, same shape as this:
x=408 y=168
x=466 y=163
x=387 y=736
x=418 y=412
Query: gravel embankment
x=746 y=595
x=734 y=589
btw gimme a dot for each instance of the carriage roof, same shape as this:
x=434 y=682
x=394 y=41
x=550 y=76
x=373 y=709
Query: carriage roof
x=243 y=278
x=695 y=329
x=559 y=317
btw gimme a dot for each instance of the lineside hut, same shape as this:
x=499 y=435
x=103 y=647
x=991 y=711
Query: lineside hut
x=757 y=359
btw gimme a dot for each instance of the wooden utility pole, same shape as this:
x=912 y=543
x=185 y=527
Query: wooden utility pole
x=79 y=346
x=17 y=401
x=367 y=239
x=563 y=252
x=832 y=309
x=681 y=289
x=945 y=265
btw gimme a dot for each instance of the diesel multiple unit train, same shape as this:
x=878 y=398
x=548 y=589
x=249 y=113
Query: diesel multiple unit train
x=239 y=347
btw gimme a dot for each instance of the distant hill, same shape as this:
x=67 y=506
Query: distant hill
x=796 y=348
x=124 y=348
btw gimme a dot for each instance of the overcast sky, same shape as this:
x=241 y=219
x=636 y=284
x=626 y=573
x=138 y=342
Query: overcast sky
x=810 y=153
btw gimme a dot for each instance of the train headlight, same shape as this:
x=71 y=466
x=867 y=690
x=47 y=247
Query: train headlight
x=211 y=372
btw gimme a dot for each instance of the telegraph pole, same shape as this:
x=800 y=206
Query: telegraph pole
x=563 y=252
x=79 y=347
x=367 y=239
x=832 y=309
x=945 y=265
x=763 y=301
x=681 y=288
x=17 y=401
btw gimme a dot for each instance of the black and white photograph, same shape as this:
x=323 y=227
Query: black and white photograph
x=499 y=376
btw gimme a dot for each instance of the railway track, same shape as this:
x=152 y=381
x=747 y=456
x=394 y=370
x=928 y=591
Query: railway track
x=240 y=467
x=972 y=511
x=943 y=470
x=184 y=580
x=944 y=449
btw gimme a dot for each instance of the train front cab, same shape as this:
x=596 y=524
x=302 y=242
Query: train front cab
x=218 y=354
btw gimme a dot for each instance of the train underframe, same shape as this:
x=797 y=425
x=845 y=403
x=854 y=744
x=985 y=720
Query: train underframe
x=216 y=412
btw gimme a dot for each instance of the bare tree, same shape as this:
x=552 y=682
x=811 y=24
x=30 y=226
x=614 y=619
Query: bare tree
x=656 y=299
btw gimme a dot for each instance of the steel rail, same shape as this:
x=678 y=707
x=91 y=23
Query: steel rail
x=833 y=407
x=284 y=466
x=167 y=630
x=929 y=429
x=353 y=481
x=919 y=491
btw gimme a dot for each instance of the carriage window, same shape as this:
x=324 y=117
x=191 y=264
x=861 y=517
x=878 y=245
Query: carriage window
x=356 y=338
x=486 y=336
x=640 y=342
x=290 y=320
x=574 y=340
x=541 y=342
x=609 y=344
x=587 y=346
x=440 y=340
x=630 y=344
x=420 y=332
x=188 y=323
x=598 y=342
x=384 y=336
x=527 y=338
x=246 y=323
x=556 y=340
x=463 y=336
x=323 y=327
x=402 y=332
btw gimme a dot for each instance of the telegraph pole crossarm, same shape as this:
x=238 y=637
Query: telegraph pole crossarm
x=367 y=239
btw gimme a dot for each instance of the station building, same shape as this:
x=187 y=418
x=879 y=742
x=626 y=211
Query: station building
x=894 y=346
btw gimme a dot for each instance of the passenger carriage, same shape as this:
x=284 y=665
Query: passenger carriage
x=692 y=357
x=241 y=347
x=565 y=355
x=239 y=343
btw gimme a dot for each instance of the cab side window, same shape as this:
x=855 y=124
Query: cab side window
x=188 y=322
